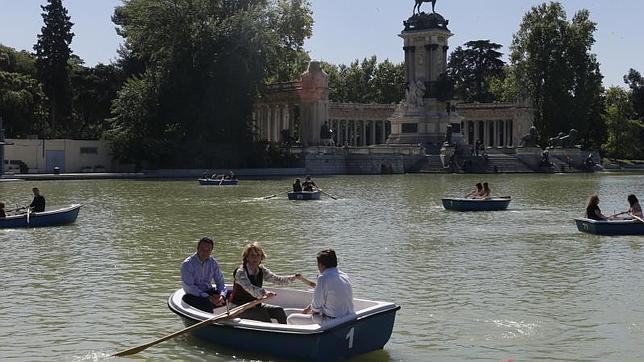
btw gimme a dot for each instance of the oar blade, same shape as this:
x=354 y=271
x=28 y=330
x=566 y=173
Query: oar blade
x=232 y=314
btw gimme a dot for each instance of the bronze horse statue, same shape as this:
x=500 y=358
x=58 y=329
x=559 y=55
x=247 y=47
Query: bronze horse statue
x=420 y=2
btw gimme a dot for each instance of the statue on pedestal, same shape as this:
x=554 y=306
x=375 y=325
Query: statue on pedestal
x=420 y=2
x=415 y=93
x=564 y=140
x=448 y=135
x=530 y=140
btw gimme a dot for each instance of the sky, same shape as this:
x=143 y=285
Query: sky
x=346 y=30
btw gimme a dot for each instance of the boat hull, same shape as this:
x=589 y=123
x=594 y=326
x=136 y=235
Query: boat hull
x=365 y=332
x=462 y=204
x=56 y=217
x=304 y=195
x=610 y=227
x=218 y=182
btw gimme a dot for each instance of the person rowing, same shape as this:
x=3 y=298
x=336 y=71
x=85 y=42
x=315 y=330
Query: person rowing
x=38 y=203
x=634 y=211
x=592 y=209
x=297 y=186
x=485 y=194
x=249 y=278
x=309 y=185
x=475 y=192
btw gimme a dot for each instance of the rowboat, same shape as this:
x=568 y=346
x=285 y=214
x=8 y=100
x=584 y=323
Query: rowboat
x=367 y=330
x=66 y=215
x=610 y=227
x=304 y=195
x=487 y=204
x=218 y=181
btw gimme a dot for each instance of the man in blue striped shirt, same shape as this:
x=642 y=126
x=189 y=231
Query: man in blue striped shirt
x=197 y=273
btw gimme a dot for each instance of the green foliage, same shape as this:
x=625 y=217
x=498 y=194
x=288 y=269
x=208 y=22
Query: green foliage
x=636 y=84
x=551 y=58
x=292 y=23
x=94 y=89
x=22 y=101
x=474 y=68
x=22 y=105
x=203 y=61
x=366 y=82
x=13 y=61
x=625 y=134
x=52 y=56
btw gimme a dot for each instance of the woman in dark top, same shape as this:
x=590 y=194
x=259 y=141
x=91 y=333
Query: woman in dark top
x=249 y=279
x=297 y=186
x=593 y=211
x=635 y=209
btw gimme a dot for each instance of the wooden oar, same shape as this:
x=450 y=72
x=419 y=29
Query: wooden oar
x=331 y=196
x=220 y=317
x=28 y=212
x=619 y=213
x=271 y=196
x=638 y=218
x=308 y=282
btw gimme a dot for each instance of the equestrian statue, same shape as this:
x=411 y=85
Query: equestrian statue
x=420 y=2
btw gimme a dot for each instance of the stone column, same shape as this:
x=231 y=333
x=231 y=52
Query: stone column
x=363 y=133
x=444 y=64
x=372 y=125
x=410 y=62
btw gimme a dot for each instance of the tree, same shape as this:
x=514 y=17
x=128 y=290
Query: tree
x=636 y=84
x=94 y=89
x=551 y=58
x=22 y=105
x=473 y=68
x=624 y=133
x=22 y=101
x=52 y=56
x=366 y=82
x=292 y=22
x=204 y=61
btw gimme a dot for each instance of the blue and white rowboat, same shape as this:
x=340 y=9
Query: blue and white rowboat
x=367 y=330
x=304 y=195
x=66 y=215
x=218 y=181
x=487 y=204
x=610 y=227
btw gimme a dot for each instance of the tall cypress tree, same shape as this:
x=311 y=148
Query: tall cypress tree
x=52 y=54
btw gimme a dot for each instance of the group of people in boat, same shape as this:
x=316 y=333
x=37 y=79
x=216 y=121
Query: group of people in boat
x=37 y=205
x=307 y=185
x=481 y=191
x=230 y=175
x=332 y=296
x=594 y=212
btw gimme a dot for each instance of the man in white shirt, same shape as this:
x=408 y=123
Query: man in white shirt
x=333 y=294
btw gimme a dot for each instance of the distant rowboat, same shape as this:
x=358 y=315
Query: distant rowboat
x=304 y=195
x=487 y=204
x=610 y=227
x=218 y=181
x=66 y=215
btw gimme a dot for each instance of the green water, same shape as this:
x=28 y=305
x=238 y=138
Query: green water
x=520 y=284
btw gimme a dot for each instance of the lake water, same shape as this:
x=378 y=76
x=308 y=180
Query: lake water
x=521 y=284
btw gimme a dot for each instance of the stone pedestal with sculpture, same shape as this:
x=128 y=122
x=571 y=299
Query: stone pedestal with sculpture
x=426 y=113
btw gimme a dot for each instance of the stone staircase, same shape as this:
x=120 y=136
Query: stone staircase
x=430 y=164
x=494 y=163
